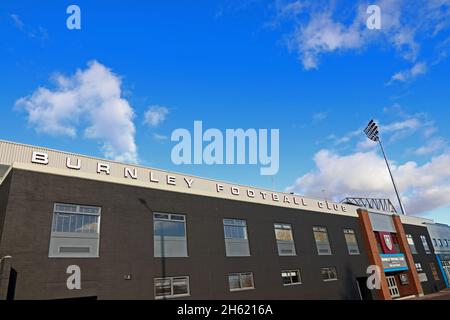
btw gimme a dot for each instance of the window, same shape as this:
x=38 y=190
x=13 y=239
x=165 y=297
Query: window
x=440 y=243
x=285 y=239
x=434 y=271
x=291 y=277
x=76 y=219
x=75 y=231
x=235 y=229
x=322 y=242
x=171 y=287
x=329 y=274
x=169 y=235
x=352 y=243
x=425 y=244
x=236 y=238
x=241 y=281
x=412 y=246
x=419 y=267
x=435 y=242
x=446 y=242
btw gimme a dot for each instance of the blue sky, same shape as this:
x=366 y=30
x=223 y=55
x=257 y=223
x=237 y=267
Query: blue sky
x=309 y=68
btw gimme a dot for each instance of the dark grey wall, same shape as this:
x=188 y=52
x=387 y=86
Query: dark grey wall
x=431 y=285
x=4 y=193
x=126 y=245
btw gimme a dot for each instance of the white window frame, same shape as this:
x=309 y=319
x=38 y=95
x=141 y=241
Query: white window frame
x=425 y=244
x=172 y=296
x=287 y=227
x=322 y=230
x=352 y=232
x=419 y=267
x=245 y=226
x=292 y=283
x=411 y=243
x=240 y=274
x=167 y=238
x=76 y=240
x=170 y=219
x=77 y=212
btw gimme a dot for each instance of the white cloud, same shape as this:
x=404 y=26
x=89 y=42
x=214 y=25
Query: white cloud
x=89 y=99
x=38 y=33
x=432 y=146
x=155 y=115
x=322 y=27
x=323 y=34
x=424 y=187
x=410 y=74
x=394 y=131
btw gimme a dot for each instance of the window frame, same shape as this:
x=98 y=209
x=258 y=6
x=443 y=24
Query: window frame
x=75 y=245
x=425 y=244
x=324 y=230
x=329 y=268
x=283 y=226
x=245 y=227
x=409 y=237
x=172 y=295
x=352 y=232
x=169 y=219
x=299 y=275
x=241 y=274
x=76 y=212
x=419 y=267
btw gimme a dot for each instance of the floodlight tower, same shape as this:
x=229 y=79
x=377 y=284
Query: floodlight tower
x=373 y=134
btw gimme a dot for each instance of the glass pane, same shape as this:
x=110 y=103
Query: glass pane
x=79 y=223
x=295 y=277
x=169 y=229
x=72 y=223
x=86 y=223
x=177 y=217
x=234 y=222
x=66 y=208
x=284 y=235
x=286 y=279
x=55 y=222
x=234 y=281
x=321 y=236
x=247 y=280
x=161 y=216
x=94 y=226
x=351 y=239
x=180 y=286
x=59 y=225
x=163 y=288
x=93 y=210
x=66 y=223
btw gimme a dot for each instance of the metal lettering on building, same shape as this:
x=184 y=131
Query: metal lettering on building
x=134 y=174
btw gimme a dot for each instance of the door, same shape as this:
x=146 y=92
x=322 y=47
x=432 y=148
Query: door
x=364 y=291
x=393 y=289
x=446 y=266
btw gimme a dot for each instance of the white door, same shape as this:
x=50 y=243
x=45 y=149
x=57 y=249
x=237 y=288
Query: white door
x=393 y=289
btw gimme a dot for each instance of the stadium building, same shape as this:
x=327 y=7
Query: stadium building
x=139 y=233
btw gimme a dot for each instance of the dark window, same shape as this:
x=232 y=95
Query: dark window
x=291 y=277
x=329 y=274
